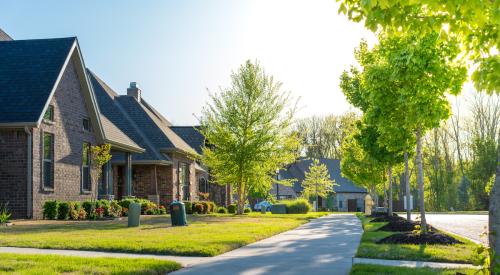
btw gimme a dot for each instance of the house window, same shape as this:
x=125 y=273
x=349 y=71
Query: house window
x=203 y=186
x=340 y=205
x=86 y=125
x=48 y=161
x=49 y=114
x=86 y=185
x=184 y=180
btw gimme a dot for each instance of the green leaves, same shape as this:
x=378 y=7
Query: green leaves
x=317 y=180
x=247 y=127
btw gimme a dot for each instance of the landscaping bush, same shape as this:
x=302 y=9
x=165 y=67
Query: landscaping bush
x=231 y=208
x=199 y=208
x=63 y=210
x=87 y=206
x=50 y=210
x=115 y=210
x=74 y=210
x=189 y=207
x=4 y=213
x=105 y=205
x=82 y=214
x=212 y=207
x=299 y=206
x=222 y=210
x=147 y=207
x=161 y=210
x=206 y=207
x=247 y=210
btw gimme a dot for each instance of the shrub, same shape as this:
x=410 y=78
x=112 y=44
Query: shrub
x=222 y=210
x=189 y=207
x=247 y=210
x=74 y=210
x=199 y=208
x=63 y=210
x=212 y=207
x=231 y=208
x=50 y=210
x=105 y=205
x=4 y=213
x=162 y=210
x=82 y=214
x=299 y=206
x=115 y=210
x=88 y=206
x=99 y=212
x=125 y=203
x=206 y=207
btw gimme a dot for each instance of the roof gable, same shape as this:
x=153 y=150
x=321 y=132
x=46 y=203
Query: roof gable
x=29 y=72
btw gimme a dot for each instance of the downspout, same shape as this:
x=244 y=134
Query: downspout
x=29 y=178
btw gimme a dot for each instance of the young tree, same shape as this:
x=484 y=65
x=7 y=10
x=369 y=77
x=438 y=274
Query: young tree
x=358 y=166
x=476 y=23
x=317 y=181
x=248 y=126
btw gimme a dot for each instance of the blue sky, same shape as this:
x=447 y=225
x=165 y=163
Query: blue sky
x=178 y=50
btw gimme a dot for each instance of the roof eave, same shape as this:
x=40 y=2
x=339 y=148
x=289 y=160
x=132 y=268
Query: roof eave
x=125 y=147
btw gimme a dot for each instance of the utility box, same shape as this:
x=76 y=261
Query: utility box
x=134 y=215
x=178 y=213
x=278 y=209
x=263 y=209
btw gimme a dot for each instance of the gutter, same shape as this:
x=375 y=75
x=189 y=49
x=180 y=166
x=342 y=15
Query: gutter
x=29 y=178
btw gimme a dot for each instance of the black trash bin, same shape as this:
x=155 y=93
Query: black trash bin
x=178 y=213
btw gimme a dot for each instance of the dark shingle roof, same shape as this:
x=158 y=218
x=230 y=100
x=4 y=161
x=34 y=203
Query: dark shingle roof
x=297 y=171
x=111 y=110
x=28 y=73
x=191 y=136
x=4 y=36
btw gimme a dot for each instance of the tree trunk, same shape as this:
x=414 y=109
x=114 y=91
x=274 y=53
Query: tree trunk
x=407 y=183
x=494 y=216
x=420 y=182
x=385 y=197
x=389 y=174
x=241 y=200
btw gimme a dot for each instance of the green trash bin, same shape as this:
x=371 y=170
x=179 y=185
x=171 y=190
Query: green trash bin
x=134 y=215
x=263 y=209
x=178 y=213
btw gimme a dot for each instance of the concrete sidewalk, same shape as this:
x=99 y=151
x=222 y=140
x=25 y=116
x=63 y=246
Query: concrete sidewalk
x=322 y=246
x=184 y=261
x=412 y=264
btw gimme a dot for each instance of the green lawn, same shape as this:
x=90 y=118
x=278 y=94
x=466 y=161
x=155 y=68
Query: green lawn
x=206 y=235
x=365 y=269
x=51 y=264
x=458 y=253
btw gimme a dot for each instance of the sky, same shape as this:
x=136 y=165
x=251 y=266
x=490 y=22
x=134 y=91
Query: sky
x=180 y=51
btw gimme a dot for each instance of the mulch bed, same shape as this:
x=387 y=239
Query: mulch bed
x=399 y=225
x=430 y=237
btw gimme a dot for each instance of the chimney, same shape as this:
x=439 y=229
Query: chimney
x=134 y=91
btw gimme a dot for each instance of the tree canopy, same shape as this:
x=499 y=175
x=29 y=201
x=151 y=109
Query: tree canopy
x=248 y=127
x=317 y=180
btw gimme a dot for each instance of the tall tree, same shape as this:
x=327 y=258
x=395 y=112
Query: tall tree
x=248 y=126
x=317 y=181
x=477 y=25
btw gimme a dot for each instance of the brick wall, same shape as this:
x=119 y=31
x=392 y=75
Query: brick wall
x=13 y=171
x=69 y=136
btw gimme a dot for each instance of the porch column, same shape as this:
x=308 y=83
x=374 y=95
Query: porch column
x=109 y=177
x=128 y=173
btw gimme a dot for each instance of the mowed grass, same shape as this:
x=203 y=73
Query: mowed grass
x=458 y=253
x=206 y=235
x=52 y=264
x=365 y=269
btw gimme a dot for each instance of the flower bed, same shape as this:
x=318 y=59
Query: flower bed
x=97 y=209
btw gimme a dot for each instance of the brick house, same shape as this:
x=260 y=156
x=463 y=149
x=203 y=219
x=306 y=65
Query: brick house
x=53 y=109
x=49 y=119
x=347 y=197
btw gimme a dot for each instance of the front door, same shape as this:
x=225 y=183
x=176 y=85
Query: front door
x=120 y=182
x=351 y=205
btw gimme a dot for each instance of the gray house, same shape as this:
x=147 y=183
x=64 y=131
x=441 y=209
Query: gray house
x=347 y=197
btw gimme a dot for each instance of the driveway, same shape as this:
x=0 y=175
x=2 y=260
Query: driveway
x=469 y=226
x=322 y=246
